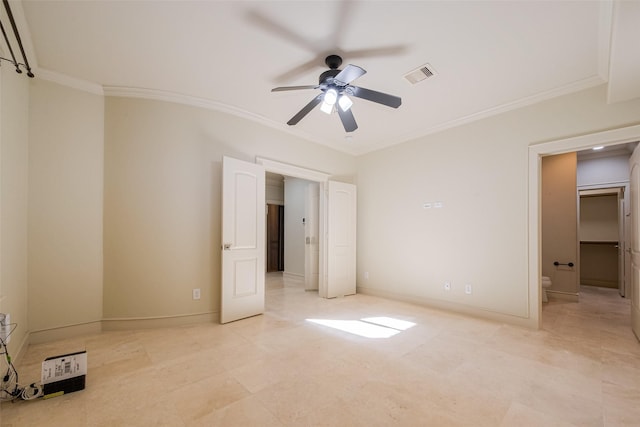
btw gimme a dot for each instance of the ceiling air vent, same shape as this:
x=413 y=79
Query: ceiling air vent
x=419 y=74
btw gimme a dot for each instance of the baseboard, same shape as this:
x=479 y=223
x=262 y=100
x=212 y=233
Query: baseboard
x=124 y=324
x=565 y=296
x=64 y=332
x=600 y=283
x=289 y=275
x=515 y=320
x=22 y=348
x=120 y=324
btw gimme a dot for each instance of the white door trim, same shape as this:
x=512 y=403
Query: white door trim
x=536 y=152
x=292 y=170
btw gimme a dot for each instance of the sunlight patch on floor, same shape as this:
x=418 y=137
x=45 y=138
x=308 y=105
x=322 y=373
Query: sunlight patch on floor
x=368 y=327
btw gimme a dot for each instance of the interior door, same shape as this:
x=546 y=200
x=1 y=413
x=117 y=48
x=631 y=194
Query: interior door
x=275 y=238
x=311 y=233
x=341 y=239
x=621 y=245
x=634 y=182
x=243 y=239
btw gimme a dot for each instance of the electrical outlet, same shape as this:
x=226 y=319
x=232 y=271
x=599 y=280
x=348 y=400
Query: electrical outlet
x=196 y=293
x=467 y=289
x=447 y=286
x=5 y=327
x=366 y=275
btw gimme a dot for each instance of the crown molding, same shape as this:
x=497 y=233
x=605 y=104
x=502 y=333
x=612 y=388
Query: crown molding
x=68 y=81
x=194 y=101
x=570 y=88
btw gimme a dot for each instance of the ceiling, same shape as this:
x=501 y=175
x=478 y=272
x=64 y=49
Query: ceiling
x=488 y=56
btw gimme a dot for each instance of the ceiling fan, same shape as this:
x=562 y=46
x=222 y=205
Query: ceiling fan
x=336 y=89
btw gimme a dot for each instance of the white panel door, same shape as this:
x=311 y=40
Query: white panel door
x=243 y=239
x=311 y=236
x=341 y=239
x=634 y=166
x=621 y=245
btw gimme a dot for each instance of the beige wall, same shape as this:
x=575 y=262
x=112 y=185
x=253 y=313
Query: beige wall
x=14 y=107
x=599 y=240
x=560 y=222
x=162 y=200
x=479 y=172
x=599 y=218
x=162 y=203
x=66 y=150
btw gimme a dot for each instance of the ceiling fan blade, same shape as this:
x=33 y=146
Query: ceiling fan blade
x=281 y=31
x=349 y=74
x=300 y=70
x=348 y=121
x=375 y=96
x=284 y=88
x=305 y=110
x=397 y=49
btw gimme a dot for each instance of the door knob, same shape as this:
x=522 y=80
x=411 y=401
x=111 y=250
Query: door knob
x=226 y=246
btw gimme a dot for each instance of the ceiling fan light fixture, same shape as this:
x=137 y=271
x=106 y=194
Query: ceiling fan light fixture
x=334 y=85
x=326 y=107
x=330 y=97
x=345 y=103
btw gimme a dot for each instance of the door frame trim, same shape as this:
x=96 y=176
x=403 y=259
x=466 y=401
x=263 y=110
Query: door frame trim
x=536 y=152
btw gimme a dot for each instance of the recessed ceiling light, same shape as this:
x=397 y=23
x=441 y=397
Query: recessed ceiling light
x=598 y=148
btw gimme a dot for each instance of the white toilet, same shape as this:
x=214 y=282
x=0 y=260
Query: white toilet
x=546 y=283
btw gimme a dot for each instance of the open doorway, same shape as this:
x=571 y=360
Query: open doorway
x=626 y=137
x=274 y=198
x=602 y=238
x=298 y=191
x=243 y=235
x=292 y=227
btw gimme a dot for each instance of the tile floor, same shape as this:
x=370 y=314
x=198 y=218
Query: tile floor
x=582 y=369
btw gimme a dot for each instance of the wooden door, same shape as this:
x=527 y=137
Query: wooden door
x=275 y=238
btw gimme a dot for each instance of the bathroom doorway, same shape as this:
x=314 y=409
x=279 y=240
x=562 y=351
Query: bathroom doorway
x=624 y=139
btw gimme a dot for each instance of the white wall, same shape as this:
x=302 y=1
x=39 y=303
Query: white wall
x=14 y=107
x=479 y=172
x=66 y=180
x=162 y=204
x=294 y=198
x=162 y=200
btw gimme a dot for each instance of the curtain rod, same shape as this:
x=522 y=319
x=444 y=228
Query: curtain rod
x=18 y=39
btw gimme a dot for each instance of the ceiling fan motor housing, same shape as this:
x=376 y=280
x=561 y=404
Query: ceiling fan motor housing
x=333 y=61
x=328 y=74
